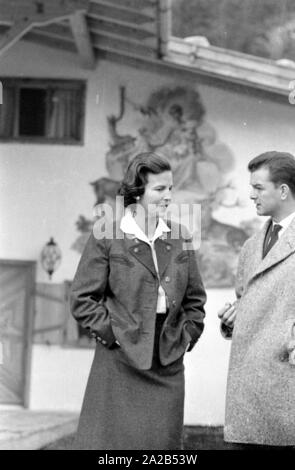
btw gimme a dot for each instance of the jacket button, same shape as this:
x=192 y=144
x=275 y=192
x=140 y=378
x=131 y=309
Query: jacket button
x=167 y=279
x=135 y=250
x=168 y=247
x=103 y=342
x=174 y=302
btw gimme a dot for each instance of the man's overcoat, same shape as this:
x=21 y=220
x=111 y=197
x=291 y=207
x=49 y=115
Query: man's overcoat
x=260 y=405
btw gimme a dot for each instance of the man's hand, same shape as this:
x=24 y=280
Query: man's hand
x=227 y=314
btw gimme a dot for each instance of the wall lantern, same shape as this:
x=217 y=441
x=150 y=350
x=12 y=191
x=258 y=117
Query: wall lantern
x=50 y=257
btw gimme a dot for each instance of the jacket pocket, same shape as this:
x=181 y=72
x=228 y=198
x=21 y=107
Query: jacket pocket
x=183 y=257
x=121 y=259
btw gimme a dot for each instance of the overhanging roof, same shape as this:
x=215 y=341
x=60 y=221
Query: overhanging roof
x=136 y=27
x=235 y=67
x=135 y=32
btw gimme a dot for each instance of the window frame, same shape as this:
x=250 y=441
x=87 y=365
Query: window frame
x=47 y=84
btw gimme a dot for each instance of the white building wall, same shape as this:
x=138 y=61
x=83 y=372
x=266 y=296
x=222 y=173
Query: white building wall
x=44 y=188
x=59 y=375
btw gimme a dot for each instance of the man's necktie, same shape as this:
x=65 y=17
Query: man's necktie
x=271 y=238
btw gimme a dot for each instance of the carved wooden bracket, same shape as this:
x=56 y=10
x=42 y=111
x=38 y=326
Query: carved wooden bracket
x=23 y=15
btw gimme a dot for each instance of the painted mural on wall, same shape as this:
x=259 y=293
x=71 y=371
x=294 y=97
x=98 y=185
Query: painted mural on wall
x=173 y=123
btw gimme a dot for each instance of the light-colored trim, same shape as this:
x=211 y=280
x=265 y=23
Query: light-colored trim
x=82 y=39
x=231 y=65
x=164 y=26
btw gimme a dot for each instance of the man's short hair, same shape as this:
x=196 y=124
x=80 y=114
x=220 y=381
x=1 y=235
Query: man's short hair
x=281 y=166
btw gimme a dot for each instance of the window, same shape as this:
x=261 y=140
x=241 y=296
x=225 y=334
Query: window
x=43 y=111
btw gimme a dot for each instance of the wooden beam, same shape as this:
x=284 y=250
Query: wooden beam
x=17 y=31
x=38 y=10
x=23 y=15
x=119 y=36
x=82 y=39
x=123 y=46
x=228 y=62
x=38 y=37
x=50 y=36
x=164 y=23
x=56 y=30
x=117 y=12
x=132 y=4
x=124 y=29
x=14 y=34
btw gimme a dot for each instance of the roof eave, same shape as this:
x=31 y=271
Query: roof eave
x=232 y=66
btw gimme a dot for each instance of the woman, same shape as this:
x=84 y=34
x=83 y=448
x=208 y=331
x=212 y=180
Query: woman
x=140 y=294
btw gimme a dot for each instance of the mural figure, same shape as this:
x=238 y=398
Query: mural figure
x=173 y=124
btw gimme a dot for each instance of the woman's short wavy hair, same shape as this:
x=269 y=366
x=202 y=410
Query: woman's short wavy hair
x=136 y=176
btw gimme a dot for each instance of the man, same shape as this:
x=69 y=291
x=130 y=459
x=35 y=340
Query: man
x=260 y=401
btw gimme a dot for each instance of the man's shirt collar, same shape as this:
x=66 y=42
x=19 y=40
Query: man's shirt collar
x=284 y=223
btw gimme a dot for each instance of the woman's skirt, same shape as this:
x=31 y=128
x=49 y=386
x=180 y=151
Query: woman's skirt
x=125 y=408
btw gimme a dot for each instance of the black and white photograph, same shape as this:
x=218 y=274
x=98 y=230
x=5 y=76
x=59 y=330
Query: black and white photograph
x=147 y=228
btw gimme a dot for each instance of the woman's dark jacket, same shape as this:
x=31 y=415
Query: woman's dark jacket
x=114 y=294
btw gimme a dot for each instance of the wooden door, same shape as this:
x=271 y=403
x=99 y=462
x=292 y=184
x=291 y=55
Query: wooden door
x=17 y=282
